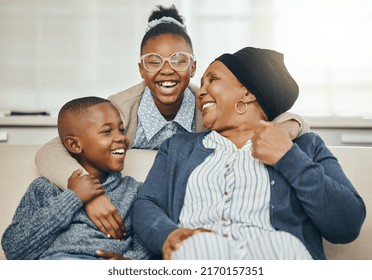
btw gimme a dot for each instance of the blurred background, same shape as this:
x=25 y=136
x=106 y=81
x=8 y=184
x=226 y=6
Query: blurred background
x=54 y=50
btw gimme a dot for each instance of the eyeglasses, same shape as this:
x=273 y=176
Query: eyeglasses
x=179 y=61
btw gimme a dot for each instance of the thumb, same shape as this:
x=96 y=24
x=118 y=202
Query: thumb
x=77 y=173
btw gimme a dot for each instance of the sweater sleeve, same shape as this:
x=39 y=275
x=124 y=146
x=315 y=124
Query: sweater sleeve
x=137 y=250
x=55 y=163
x=44 y=211
x=286 y=116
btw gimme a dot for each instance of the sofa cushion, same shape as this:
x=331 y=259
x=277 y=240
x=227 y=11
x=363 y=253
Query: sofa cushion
x=17 y=170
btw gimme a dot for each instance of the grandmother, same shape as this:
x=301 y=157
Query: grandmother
x=244 y=190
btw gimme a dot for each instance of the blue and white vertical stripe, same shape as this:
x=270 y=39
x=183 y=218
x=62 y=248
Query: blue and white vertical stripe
x=229 y=193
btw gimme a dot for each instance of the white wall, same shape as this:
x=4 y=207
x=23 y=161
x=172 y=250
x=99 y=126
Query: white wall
x=55 y=50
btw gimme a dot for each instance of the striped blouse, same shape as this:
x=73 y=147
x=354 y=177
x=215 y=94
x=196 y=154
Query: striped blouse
x=228 y=193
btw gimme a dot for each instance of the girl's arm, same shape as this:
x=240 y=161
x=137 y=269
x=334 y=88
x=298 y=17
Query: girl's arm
x=295 y=124
x=55 y=163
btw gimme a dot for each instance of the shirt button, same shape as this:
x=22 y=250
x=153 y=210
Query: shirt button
x=272 y=182
x=226 y=193
x=227 y=165
x=225 y=235
x=272 y=206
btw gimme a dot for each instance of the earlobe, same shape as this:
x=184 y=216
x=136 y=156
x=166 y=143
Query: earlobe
x=141 y=69
x=72 y=144
x=193 y=69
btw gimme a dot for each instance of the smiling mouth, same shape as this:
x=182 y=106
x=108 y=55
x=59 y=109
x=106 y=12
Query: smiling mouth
x=207 y=105
x=119 y=152
x=168 y=85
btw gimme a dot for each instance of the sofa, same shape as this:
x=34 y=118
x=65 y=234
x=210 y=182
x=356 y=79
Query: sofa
x=17 y=170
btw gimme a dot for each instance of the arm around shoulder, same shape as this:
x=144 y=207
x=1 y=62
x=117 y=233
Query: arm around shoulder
x=286 y=116
x=55 y=163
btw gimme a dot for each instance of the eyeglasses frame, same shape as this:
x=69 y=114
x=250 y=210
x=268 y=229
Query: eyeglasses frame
x=191 y=59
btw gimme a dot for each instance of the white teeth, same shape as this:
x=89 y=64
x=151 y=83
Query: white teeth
x=118 y=151
x=167 y=84
x=206 y=105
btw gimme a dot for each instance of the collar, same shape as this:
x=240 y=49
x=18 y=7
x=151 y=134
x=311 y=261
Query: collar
x=214 y=140
x=112 y=180
x=151 y=119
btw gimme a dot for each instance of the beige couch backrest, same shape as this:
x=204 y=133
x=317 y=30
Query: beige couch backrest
x=17 y=170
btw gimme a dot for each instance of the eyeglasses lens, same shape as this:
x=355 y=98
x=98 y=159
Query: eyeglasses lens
x=178 y=61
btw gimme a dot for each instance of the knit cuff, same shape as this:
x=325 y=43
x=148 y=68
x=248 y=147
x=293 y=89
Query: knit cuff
x=304 y=125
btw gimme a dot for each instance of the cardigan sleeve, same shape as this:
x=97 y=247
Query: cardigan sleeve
x=324 y=191
x=151 y=219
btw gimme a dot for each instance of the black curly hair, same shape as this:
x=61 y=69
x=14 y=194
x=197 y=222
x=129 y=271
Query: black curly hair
x=166 y=28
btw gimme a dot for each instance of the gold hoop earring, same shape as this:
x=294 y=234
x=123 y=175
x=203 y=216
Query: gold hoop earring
x=236 y=107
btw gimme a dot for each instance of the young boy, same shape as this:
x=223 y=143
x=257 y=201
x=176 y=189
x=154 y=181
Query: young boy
x=52 y=224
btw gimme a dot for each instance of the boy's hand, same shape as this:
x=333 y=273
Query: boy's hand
x=105 y=216
x=270 y=142
x=110 y=255
x=86 y=187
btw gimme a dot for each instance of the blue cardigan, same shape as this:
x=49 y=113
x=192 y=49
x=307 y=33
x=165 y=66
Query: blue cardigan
x=311 y=197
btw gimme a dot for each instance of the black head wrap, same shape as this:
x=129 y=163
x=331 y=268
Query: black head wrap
x=263 y=73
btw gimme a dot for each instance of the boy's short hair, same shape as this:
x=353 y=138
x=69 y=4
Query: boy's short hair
x=74 y=109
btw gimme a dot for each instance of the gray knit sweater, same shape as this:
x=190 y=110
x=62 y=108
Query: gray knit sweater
x=49 y=221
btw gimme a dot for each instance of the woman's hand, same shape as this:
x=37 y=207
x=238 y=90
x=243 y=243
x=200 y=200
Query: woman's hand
x=105 y=216
x=270 y=142
x=175 y=238
x=110 y=255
